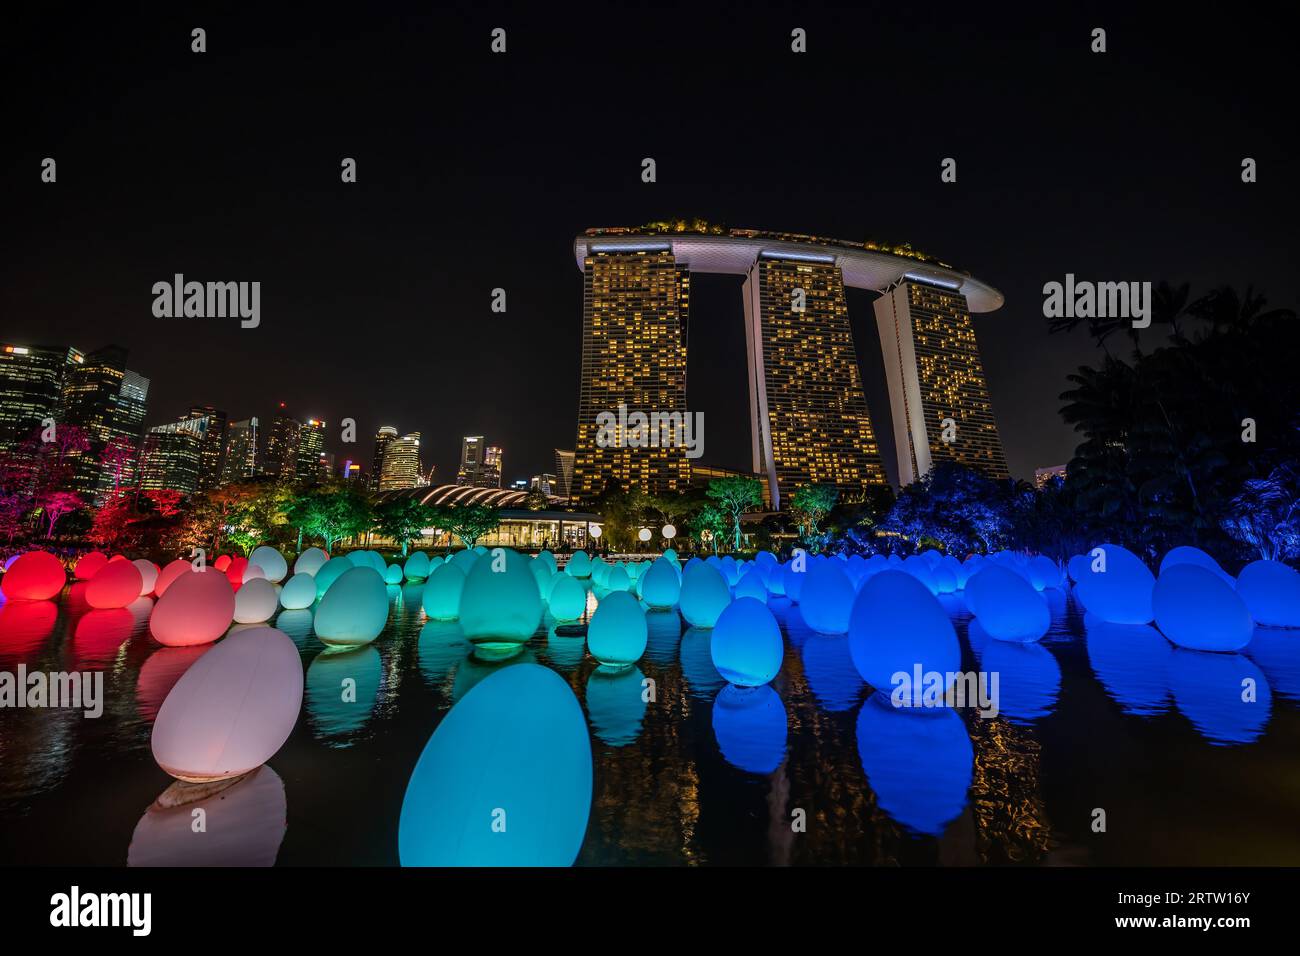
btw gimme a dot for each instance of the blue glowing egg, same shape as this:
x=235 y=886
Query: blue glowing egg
x=704 y=595
x=774 y=578
x=417 y=567
x=331 y=571
x=342 y=687
x=1043 y=572
x=579 y=565
x=793 y=576
x=1116 y=586
x=354 y=610
x=920 y=569
x=1077 y=567
x=1006 y=605
x=1225 y=696
x=442 y=591
x=746 y=646
x=827 y=598
x=617 y=633
x=897 y=624
x=1185 y=554
x=568 y=598
x=751 y=585
x=660 y=588
x=944 y=578
x=616 y=705
x=505 y=780
x=751 y=726
x=500 y=604
x=1195 y=609
x=298 y=592
x=1271 y=591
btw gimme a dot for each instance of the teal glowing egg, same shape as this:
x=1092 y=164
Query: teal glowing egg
x=1271 y=591
x=331 y=571
x=897 y=624
x=442 y=591
x=342 y=688
x=660 y=587
x=579 y=565
x=417 y=567
x=746 y=647
x=542 y=575
x=271 y=561
x=617 y=633
x=310 y=561
x=568 y=598
x=751 y=585
x=354 y=610
x=465 y=560
x=1116 y=586
x=616 y=579
x=670 y=554
x=500 y=604
x=1006 y=605
x=704 y=595
x=1195 y=609
x=750 y=726
x=599 y=572
x=393 y=574
x=440 y=647
x=299 y=592
x=549 y=560
x=827 y=598
x=616 y=704
x=505 y=780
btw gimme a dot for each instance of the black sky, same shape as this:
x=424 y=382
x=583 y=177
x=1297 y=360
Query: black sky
x=476 y=171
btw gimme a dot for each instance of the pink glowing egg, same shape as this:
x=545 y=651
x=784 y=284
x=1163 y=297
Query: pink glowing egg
x=233 y=709
x=196 y=609
x=148 y=575
x=222 y=562
x=169 y=574
x=89 y=565
x=35 y=576
x=116 y=584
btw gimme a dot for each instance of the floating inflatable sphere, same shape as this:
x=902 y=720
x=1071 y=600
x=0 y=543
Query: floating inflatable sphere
x=89 y=565
x=1271 y=591
x=920 y=569
x=774 y=578
x=615 y=705
x=599 y=572
x=442 y=592
x=233 y=709
x=617 y=633
x=299 y=592
x=751 y=585
x=897 y=624
x=116 y=584
x=1006 y=605
x=514 y=752
x=500 y=604
x=750 y=726
x=169 y=574
x=792 y=577
x=827 y=598
x=660 y=587
x=417 y=567
x=35 y=576
x=148 y=575
x=253 y=572
x=1116 y=586
x=944 y=578
x=255 y=602
x=271 y=561
x=968 y=569
x=746 y=647
x=1195 y=609
x=1043 y=572
x=354 y=610
x=730 y=569
x=542 y=575
x=310 y=561
x=1077 y=567
x=704 y=595
x=393 y=574
x=329 y=572
x=579 y=565
x=464 y=559
x=548 y=559
x=196 y=609
x=235 y=570
x=616 y=579
x=1189 y=555
x=568 y=598
x=222 y=563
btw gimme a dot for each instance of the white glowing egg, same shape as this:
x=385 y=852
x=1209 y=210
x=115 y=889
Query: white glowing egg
x=299 y=592
x=255 y=602
x=271 y=562
x=310 y=561
x=354 y=610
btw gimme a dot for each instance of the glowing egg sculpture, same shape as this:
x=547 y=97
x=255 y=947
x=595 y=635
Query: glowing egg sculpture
x=1189 y=555
x=1006 y=605
x=746 y=645
x=1043 y=572
x=253 y=572
x=751 y=585
x=331 y=571
x=500 y=608
x=35 y=576
x=515 y=754
x=354 y=610
x=704 y=595
x=310 y=561
x=222 y=562
x=393 y=574
x=617 y=579
x=255 y=602
x=442 y=592
x=792 y=577
x=750 y=725
x=897 y=624
x=89 y=565
x=1195 y=609
x=579 y=565
x=271 y=562
x=660 y=587
x=542 y=575
x=235 y=571
x=827 y=598
x=617 y=633
x=233 y=709
x=169 y=574
x=417 y=567
x=548 y=559
x=148 y=575
x=568 y=598
x=1271 y=591
x=299 y=592
x=196 y=609
x=1115 y=586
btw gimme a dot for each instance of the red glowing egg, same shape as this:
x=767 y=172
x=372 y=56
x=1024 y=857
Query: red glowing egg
x=168 y=575
x=222 y=562
x=89 y=565
x=116 y=584
x=117 y=557
x=196 y=609
x=35 y=576
x=235 y=570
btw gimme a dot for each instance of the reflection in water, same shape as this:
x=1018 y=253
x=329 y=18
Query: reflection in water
x=1029 y=679
x=750 y=726
x=1209 y=689
x=565 y=651
x=473 y=669
x=918 y=761
x=615 y=704
x=298 y=625
x=97 y=637
x=664 y=632
x=159 y=674
x=702 y=678
x=1277 y=652
x=242 y=825
x=1132 y=663
x=1011 y=821
x=828 y=665
x=341 y=688
x=24 y=627
x=441 y=646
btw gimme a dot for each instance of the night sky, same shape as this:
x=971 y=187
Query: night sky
x=476 y=171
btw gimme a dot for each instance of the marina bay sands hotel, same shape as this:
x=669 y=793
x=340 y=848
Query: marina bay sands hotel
x=808 y=413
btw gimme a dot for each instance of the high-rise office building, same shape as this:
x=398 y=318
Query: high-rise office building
x=402 y=467
x=563 y=472
x=241 y=451
x=635 y=311
x=493 y=464
x=108 y=401
x=171 y=456
x=474 y=470
x=808 y=413
x=385 y=435
x=280 y=456
x=546 y=484
x=31 y=386
x=212 y=453
x=937 y=390
x=311 y=451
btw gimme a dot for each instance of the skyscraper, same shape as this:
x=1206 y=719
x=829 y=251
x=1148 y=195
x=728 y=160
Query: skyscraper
x=108 y=401
x=212 y=453
x=382 y=437
x=171 y=456
x=401 y=463
x=937 y=390
x=241 y=451
x=563 y=472
x=493 y=464
x=472 y=450
x=635 y=310
x=808 y=413
x=280 y=457
x=31 y=385
x=311 y=450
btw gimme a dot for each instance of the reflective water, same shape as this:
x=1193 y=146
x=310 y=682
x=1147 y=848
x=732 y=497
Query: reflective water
x=811 y=770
